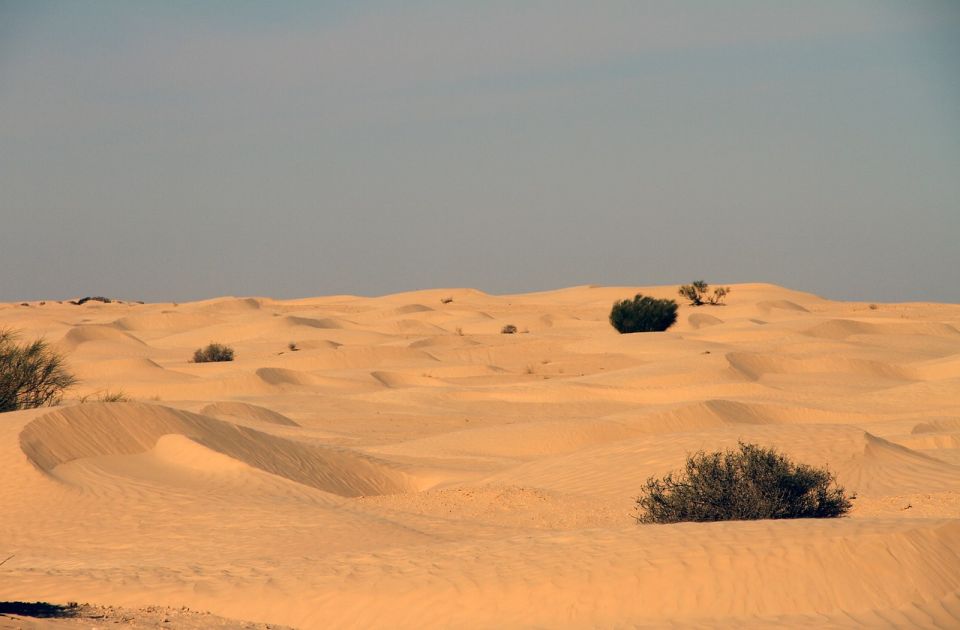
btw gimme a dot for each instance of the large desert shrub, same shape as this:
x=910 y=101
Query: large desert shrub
x=749 y=483
x=31 y=375
x=212 y=353
x=643 y=314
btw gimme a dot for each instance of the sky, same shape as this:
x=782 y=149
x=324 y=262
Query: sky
x=170 y=151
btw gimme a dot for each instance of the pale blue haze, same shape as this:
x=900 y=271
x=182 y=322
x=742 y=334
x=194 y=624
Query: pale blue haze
x=180 y=150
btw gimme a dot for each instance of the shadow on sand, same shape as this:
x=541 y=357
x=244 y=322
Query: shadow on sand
x=39 y=609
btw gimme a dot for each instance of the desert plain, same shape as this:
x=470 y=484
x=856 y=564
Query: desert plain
x=399 y=462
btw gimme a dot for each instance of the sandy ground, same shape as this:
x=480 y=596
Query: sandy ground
x=409 y=466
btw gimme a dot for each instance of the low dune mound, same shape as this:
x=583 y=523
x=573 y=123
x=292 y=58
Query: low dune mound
x=405 y=379
x=783 y=305
x=245 y=411
x=702 y=320
x=555 y=437
x=843 y=328
x=937 y=426
x=283 y=377
x=86 y=333
x=167 y=321
x=128 y=369
x=406 y=309
x=936 y=369
x=443 y=341
x=417 y=327
x=97 y=430
x=328 y=323
x=229 y=305
x=757 y=365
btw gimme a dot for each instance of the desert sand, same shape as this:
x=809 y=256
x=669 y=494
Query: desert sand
x=410 y=466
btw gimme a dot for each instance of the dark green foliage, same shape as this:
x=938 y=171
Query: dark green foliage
x=213 y=353
x=643 y=314
x=747 y=484
x=31 y=375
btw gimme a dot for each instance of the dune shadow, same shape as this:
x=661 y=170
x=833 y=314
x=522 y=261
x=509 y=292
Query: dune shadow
x=42 y=610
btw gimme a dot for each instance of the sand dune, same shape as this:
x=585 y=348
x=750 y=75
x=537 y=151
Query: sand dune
x=407 y=465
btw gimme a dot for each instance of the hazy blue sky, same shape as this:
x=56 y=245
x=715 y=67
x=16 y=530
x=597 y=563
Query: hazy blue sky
x=178 y=150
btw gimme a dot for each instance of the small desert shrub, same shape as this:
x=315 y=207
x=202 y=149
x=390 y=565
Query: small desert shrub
x=643 y=314
x=747 y=484
x=96 y=298
x=31 y=375
x=696 y=292
x=117 y=396
x=874 y=307
x=106 y=396
x=213 y=353
x=509 y=329
x=446 y=300
x=292 y=347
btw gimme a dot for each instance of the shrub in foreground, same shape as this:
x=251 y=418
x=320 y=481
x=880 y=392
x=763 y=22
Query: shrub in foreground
x=213 y=353
x=509 y=329
x=31 y=375
x=643 y=314
x=749 y=483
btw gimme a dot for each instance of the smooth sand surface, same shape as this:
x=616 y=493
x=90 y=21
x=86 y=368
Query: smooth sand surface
x=409 y=466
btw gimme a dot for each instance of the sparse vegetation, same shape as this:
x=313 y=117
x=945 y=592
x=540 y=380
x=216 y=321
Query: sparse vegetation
x=873 y=307
x=213 y=353
x=446 y=300
x=106 y=396
x=509 y=329
x=696 y=292
x=292 y=347
x=96 y=298
x=643 y=314
x=749 y=483
x=31 y=375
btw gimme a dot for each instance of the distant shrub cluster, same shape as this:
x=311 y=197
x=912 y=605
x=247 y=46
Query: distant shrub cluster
x=213 y=353
x=696 y=292
x=643 y=314
x=97 y=298
x=747 y=484
x=31 y=375
x=509 y=329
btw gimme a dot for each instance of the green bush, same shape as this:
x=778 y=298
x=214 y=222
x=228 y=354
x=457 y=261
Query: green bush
x=643 y=314
x=31 y=375
x=213 y=353
x=747 y=484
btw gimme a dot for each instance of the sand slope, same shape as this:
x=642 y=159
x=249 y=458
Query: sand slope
x=407 y=465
